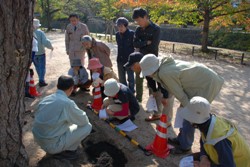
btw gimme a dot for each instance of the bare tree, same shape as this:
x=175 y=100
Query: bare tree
x=15 y=52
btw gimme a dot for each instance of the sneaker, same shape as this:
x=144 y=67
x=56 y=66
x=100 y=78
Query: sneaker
x=41 y=84
x=177 y=150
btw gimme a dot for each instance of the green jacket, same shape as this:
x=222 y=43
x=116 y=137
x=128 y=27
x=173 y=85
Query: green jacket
x=186 y=80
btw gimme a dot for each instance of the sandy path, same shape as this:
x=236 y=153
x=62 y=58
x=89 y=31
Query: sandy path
x=232 y=102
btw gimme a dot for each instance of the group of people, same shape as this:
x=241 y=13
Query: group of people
x=60 y=125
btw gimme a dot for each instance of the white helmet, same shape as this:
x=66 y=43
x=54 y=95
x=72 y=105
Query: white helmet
x=197 y=111
x=111 y=87
x=149 y=64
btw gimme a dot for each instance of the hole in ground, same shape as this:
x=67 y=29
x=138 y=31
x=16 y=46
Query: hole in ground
x=105 y=154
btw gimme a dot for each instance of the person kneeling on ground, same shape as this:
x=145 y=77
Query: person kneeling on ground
x=221 y=143
x=80 y=76
x=120 y=101
x=104 y=73
x=59 y=125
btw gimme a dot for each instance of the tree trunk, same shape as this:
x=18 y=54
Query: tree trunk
x=205 y=31
x=16 y=17
x=48 y=16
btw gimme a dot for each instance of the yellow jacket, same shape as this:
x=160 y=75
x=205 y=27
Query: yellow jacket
x=221 y=129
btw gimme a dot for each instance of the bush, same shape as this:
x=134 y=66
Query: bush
x=230 y=40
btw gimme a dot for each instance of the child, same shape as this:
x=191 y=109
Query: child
x=105 y=73
x=39 y=58
x=120 y=101
x=80 y=76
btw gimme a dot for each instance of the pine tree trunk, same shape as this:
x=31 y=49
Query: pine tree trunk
x=15 y=51
x=205 y=31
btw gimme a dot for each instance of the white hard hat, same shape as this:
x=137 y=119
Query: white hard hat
x=149 y=64
x=111 y=87
x=197 y=111
x=36 y=23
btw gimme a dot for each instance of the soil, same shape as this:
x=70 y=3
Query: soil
x=105 y=146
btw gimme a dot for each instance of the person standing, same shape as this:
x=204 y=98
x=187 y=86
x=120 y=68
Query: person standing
x=74 y=32
x=146 y=41
x=59 y=125
x=40 y=57
x=184 y=80
x=124 y=39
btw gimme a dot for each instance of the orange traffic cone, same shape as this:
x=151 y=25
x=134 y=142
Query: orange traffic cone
x=32 y=88
x=160 y=147
x=97 y=103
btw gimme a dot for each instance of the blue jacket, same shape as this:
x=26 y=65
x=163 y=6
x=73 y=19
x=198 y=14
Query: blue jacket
x=125 y=45
x=43 y=42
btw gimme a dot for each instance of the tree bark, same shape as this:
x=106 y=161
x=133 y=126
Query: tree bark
x=16 y=17
x=205 y=31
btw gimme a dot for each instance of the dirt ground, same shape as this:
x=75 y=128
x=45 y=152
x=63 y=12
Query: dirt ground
x=232 y=103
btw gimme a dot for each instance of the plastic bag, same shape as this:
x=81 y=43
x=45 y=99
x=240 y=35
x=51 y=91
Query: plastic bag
x=151 y=104
x=51 y=54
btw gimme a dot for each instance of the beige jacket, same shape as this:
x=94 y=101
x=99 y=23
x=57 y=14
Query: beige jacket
x=73 y=43
x=100 y=50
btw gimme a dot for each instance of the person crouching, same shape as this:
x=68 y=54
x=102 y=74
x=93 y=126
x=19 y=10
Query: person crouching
x=120 y=102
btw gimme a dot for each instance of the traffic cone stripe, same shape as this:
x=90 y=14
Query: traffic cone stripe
x=159 y=147
x=97 y=89
x=32 y=88
x=162 y=135
x=97 y=96
x=162 y=124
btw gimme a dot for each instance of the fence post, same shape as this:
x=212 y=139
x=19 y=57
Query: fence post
x=193 y=51
x=242 y=58
x=173 y=48
x=215 y=56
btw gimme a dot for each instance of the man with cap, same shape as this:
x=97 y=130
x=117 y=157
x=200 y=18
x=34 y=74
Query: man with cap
x=80 y=76
x=97 y=49
x=120 y=101
x=39 y=59
x=103 y=73
x=124 y=39
x=164 y=100
x=59 y=125
x=74 y=31
x=184 y=80
x=221 y=143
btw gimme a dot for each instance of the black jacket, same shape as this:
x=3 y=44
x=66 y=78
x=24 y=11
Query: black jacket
x=150 y=33
x=125 y=45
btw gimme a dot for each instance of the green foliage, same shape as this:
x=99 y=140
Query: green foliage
x=108 y=9
x=230 y=40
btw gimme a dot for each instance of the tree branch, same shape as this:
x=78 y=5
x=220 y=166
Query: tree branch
x=218 y=5
x=54 y=11
x=224 y=14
